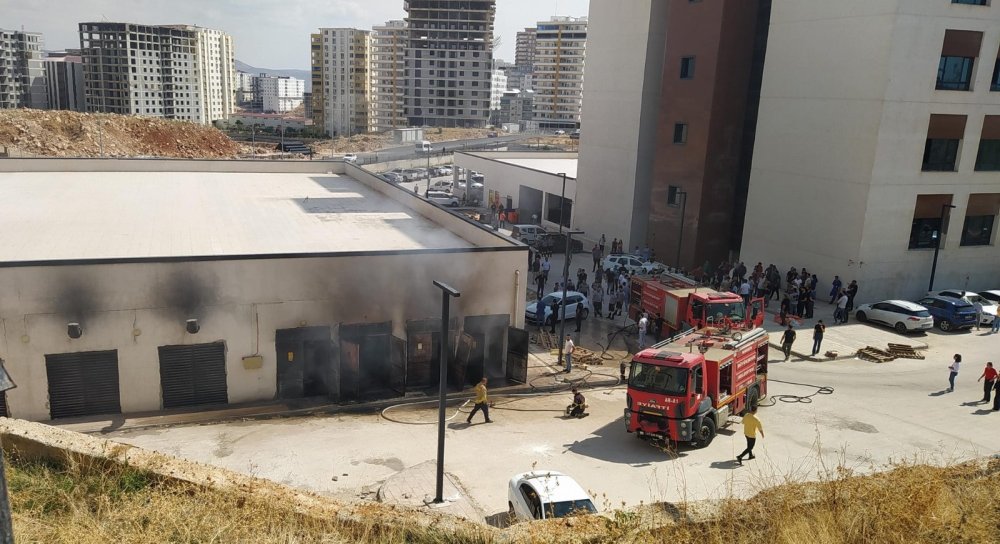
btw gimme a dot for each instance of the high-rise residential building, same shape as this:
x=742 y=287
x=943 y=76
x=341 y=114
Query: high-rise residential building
x=498 y=86
x=22 y=75
x=64 y=81
x=560 y=47
x=174 y=71
x=524 y=50
x=515 y=106
x=342 y=86
x=881 y=159
x=389 y=75
x=448 y=62
x=244 y=88
x=279 y=94
x=669 y=113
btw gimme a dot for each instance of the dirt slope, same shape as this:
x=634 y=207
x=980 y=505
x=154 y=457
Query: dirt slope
x=40 y=133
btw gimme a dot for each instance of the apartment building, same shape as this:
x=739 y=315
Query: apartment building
x=498 y=85
x=524 y=50
x=669 y=116
x=244 y=88
x=389 y=75
x=878 y=145
x=342 y=82
x=448 y=62
x=278 y=94
x=22 y=75
x=516 y=106
x=560 y=46
x=64 y=81
x=174 y=71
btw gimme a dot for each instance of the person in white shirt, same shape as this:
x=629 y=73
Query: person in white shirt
x=568 y=353
x=643 y=327
x=954 y=371
x=840 y=315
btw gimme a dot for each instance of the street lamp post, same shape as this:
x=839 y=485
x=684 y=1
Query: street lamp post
x=446 y=293
x=674 y=193
x=562 y=304
x=937 y=243
x=562 y=200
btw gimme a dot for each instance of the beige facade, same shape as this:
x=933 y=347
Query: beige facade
x=875 y=116
x=342 y=81
x=560 y=48
x=22 y=73
x=389 y=75
x=524 y=50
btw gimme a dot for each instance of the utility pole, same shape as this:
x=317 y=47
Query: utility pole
x=447 y=292
x=937 y=243
x=562 y=200
x=562 y=304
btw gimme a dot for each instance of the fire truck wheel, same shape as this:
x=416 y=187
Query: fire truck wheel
x=705 y=433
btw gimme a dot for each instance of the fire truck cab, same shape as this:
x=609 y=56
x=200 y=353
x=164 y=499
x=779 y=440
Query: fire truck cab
x=685 y=388
x=684 y=305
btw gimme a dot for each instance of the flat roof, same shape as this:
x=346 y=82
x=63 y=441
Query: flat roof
x=549 y=166
x=52 y=216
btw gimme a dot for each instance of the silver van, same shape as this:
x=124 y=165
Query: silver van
x=527 y=233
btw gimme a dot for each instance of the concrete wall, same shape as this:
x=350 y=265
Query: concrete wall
x=837 y=163
x=134 y=308
x=625 y=43
x=169 y=165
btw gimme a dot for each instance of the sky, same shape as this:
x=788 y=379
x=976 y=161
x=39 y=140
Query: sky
x=267 y=33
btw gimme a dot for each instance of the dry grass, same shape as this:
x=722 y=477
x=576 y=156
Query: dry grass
x=909 y=503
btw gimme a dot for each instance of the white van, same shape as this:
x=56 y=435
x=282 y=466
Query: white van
x=423 y=147
x=527 y=233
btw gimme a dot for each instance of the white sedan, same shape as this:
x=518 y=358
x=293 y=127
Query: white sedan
x=902 y=315
x=632 y=264
x=545 y=494
x=351 y=157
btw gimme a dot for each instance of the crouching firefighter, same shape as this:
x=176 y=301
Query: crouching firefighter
x=577 y=409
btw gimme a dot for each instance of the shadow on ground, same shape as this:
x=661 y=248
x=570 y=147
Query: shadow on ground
x=612 y=444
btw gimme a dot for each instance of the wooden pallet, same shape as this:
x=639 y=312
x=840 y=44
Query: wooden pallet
x=903 y=351
x=876 y=355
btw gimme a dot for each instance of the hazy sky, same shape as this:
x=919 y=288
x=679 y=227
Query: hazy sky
x=268 y=33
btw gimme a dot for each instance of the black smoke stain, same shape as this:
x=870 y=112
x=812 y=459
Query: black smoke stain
x=187 y=295
x=76 y=299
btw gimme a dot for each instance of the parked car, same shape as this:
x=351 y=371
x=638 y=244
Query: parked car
x=411 y=174
x=351 y=157
x=575 y=302
x=575 y=135
x=491 y=134
x=443 y=185
x=989 y=306
x=544 y=495
x=632 y=264
x=992 y=295
x=392 y=177
x=554 y=242
x=560 y=132
x=443 y=198
x=950 y=313
x=526 y=233
x=444 y=170
x=902 y=315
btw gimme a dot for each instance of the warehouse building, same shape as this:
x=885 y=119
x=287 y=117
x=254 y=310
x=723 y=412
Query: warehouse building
x=130 y=286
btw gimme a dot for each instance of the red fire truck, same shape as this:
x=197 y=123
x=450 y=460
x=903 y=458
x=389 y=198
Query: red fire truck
x=684 y=388
x=684 y=305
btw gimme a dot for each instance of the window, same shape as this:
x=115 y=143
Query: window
x=995 y=82
x=978 y=230
x=972 y=2
x=954 y=73
x=988 y=159
x=926 y=226
x=924 y=233
x=687 y=67
x=940 y=155
x=680 y=133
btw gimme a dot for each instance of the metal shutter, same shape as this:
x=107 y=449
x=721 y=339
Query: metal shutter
x=83 y=384
x=192 y=375
x=3 y=405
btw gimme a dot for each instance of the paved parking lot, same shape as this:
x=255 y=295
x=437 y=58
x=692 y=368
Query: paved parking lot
x=877 y=413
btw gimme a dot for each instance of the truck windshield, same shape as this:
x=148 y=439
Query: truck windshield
x=718 y=311
x=665 y=380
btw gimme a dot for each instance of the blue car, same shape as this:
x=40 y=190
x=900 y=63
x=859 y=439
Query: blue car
x=950 y=313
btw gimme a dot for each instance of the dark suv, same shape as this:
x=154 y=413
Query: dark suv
x=950 y=313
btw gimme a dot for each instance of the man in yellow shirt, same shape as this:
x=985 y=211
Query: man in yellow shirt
x=750 y=427
x=481 y=402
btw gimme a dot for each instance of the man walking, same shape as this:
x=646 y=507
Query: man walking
x=481 y=402
x=597 y=297
x=787 y=338
x=540 y=283
x=840 y=314
x=546 y=266
x=818 y=331
x=750 y=427
x=643 y=326
x=990 y=377
x=568 y=353
x=996 y=324
x=955 y=366
x=596 y=253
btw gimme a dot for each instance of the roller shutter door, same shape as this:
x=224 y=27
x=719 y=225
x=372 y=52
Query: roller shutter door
x=192 y=375
x=3 y=405
x=83 y=384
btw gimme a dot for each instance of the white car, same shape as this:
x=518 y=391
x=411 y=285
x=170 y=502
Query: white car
x=902 y=315
x=351 y=157
x=442 y=185
x=989 y=306
x=576 y=302
x=560 y=132
x=544 y=494
x=634 y=265
x=443 y=198
x=993 y=295
x=444 y=171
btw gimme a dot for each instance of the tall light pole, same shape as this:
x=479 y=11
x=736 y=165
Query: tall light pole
x=447 y=292
x=562 y=303
x=937 y=243
x=562 y=200
x=674 y=193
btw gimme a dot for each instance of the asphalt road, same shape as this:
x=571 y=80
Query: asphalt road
x=877 y=413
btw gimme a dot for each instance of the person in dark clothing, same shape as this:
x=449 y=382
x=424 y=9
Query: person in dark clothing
x=540 y=315
x=835 y=290
x=852 y=293
x=996 y=396
x=658 y=326
x=540 y=282
x=818 y=331
x=579 y=316
x=787 y=339
x=579 y=404
x=786 y=306
x=555 y=315
x=809 y=303
x=800 y=306
x=989 y=378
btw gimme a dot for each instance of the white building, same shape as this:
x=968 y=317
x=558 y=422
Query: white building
x=342 y=83
x=259 y=281
x=244 y=88
x=874 y=118
x=389 y=75
x=560 y=48
x=175 y=71
x=279 y=94
x=22 y=74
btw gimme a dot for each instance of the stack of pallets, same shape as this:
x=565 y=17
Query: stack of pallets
x=903 y=351
x=895 y=351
